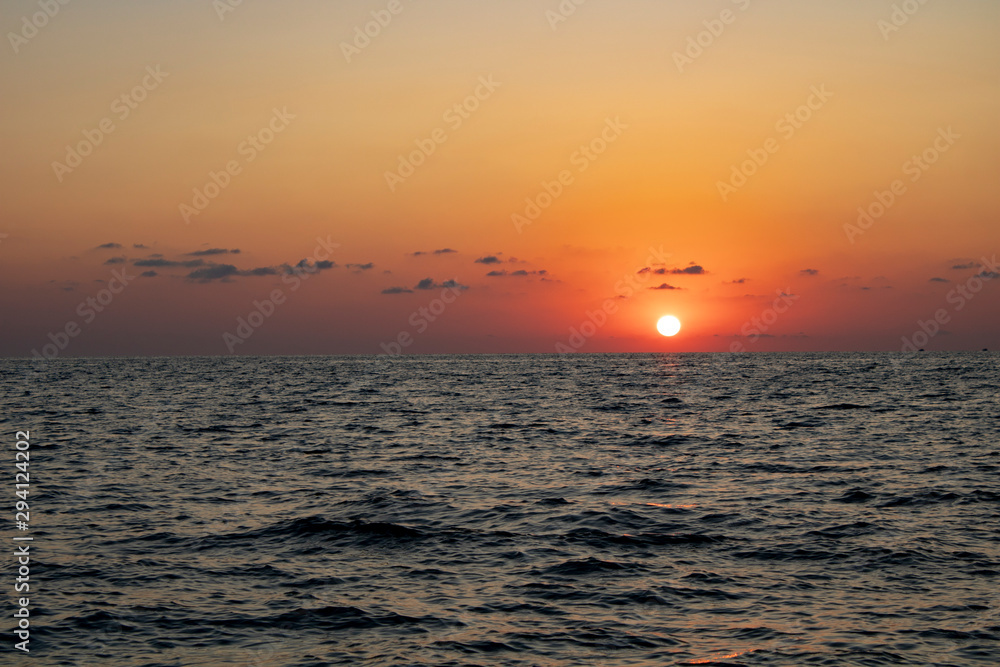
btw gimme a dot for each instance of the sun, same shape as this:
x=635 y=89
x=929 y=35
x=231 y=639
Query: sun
x=668 y=325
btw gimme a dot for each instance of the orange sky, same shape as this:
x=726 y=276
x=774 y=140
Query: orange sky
x=642 y=123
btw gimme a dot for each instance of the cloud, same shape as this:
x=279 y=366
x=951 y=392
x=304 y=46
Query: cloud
x=138 y=246
x=109 y=246
x=939 y=280
x=214 y=251
x=693 y=270
x=304 y=265
x=116 y=260
x=877 y=283
x=965 y=265
x=262 y=271
x=158 y=262
x=489 y=259
x=148 y=274
x=988 y=275
x=738 y=281
x=205 y=272
x=808 y=272
x=397 y=290
x=665 y=286
x=428 y=283
x=442 y=251
x=226 y=271
x=214 y=272
x=361 y=267
x=517 y=274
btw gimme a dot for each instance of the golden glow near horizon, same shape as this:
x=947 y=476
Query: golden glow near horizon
x=492 y=176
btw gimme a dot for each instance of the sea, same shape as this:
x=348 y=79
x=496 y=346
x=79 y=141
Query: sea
x=517 y=510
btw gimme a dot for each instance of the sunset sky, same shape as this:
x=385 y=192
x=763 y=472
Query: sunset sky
x=186 y=164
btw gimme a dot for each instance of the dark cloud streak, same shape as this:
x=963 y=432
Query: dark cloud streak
x=214 y=251
x=165 y=263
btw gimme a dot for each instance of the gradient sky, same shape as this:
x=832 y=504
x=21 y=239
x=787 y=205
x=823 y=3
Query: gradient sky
x=647 y=211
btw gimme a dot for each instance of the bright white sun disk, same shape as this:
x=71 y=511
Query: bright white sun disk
x=668 y=325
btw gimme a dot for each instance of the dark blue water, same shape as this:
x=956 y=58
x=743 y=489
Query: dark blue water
x=827 y=509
